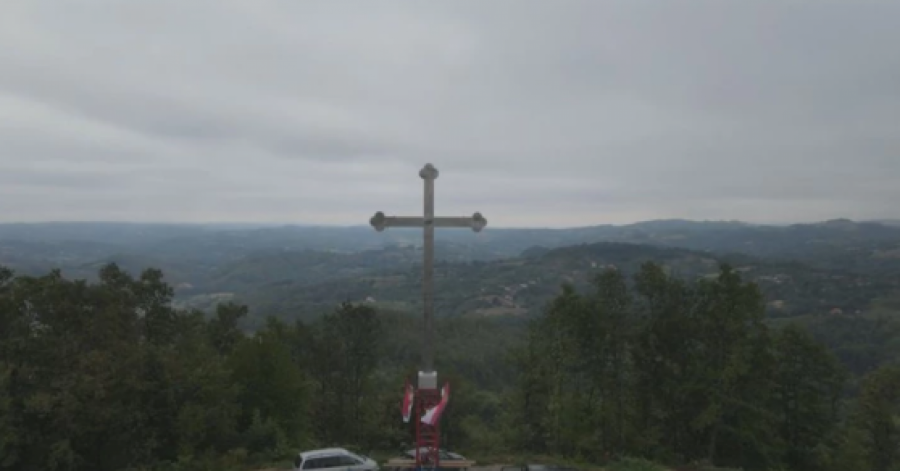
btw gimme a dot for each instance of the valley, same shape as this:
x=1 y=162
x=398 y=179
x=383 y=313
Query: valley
x=297 y=272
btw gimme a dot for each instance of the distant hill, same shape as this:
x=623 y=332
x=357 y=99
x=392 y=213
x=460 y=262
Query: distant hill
x=888 y=222
x=218 y=243
x=520 y=287
x=286 y=268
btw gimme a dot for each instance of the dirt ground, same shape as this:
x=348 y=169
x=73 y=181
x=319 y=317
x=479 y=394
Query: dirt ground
x=473 y=468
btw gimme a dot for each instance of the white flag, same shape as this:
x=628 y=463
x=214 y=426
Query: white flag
x=433 y=416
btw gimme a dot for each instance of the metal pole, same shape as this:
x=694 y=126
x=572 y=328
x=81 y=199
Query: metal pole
x=429 y=174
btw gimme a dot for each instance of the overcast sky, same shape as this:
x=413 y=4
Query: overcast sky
x=537 y=113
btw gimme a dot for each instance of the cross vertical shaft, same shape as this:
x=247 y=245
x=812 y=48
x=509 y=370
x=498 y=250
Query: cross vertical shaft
x=428 y=222
x=428 y=174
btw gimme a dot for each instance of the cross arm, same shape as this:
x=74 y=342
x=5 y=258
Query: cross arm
x=477 y=222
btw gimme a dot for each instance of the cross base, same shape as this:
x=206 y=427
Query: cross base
x=428 y=437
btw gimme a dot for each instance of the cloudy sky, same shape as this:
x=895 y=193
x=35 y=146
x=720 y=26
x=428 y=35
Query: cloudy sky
x=536 y=113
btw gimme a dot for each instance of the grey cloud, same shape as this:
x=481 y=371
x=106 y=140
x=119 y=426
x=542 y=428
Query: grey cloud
x=546 y=113
x=52 y=179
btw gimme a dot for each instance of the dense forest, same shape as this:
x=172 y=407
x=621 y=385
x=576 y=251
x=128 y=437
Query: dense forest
x=686 y=372
x=108 y=375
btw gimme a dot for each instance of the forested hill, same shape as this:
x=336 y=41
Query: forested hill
x=297 y=271
x=299 y=284
x=193 y=249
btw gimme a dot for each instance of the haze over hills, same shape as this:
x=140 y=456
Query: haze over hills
x=203 y=240
x=521 y=286
x=497 y=242
x=889 y=222
x=297 y=271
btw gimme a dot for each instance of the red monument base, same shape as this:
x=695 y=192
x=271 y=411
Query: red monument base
x=428 y=437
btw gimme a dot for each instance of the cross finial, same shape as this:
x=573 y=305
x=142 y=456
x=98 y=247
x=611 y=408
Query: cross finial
x=428 y=172
x=478 y=222
x=378 y=221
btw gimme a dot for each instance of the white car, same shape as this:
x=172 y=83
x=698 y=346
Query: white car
x=333 y=459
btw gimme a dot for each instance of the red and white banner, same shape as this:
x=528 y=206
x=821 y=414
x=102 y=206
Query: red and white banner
x=433 y=416
x=408 y=398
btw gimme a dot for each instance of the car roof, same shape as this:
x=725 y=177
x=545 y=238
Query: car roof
x=324 y=452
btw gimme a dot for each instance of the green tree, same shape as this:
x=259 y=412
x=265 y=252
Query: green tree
x=612 y=308
x=346 y=353
x=667 y=385
x=271 y=385
x=567 y=399
x=734 y=361
x=107 y=376
x=8 y=429
x=808 y=385
x=530 y=400
x=878 y=415
x=224 y=332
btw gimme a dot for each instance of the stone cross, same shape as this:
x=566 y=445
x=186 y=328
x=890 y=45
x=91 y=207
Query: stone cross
x=428 y=222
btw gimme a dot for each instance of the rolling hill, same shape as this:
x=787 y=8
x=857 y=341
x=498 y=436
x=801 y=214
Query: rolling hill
x=520 y=286
x=296 y=271
x=840 y=239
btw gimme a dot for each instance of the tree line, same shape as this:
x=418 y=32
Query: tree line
x=688 y=372
x=110 y=376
